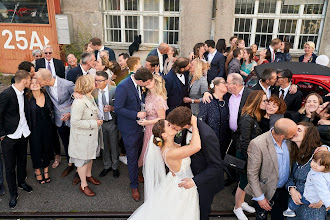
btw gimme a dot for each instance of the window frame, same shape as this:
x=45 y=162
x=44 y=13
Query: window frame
x=162 y=14
x=277 y=16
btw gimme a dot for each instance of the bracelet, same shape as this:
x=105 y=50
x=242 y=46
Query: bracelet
x=289 y=187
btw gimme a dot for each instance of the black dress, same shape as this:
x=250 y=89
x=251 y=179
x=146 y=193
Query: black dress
x=41 y=140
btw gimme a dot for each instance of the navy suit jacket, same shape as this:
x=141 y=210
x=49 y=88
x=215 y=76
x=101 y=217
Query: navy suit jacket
x=217 y=67
x=127 y=105
x=74 y=73
x=58 y=64
x=175 y=93
x=112 y=55
x=301 y=58
x=154 y=53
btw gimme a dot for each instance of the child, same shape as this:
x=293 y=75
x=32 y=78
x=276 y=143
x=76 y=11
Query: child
x=317 y=186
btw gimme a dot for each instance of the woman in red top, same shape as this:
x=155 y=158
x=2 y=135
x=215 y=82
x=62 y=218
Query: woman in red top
x=264 y=55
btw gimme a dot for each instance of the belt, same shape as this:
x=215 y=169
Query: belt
x=104 y=121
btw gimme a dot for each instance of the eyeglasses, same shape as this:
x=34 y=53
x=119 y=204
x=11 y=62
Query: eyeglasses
x=100 y=81
x=280 y=77
x=38 y=56
x=48 y=52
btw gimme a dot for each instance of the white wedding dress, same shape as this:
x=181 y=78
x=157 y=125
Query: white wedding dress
x=169 y=201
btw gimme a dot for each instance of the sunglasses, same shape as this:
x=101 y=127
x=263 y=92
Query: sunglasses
x=48 y=52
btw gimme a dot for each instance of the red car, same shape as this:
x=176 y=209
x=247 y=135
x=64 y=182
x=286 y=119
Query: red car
x=308 y=76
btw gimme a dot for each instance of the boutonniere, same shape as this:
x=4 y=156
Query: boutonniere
x=144 y=89
x=179 y=134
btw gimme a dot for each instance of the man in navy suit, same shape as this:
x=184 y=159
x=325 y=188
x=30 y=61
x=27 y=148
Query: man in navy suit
x=48 y=62
x=152 y=64
x=275 y=44
x=87 y=62
x=129 y=99
x=216 y=61
x=161 y=53
x=177 y=83
x=96 y=45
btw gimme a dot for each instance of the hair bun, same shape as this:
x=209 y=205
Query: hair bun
x=158 y=141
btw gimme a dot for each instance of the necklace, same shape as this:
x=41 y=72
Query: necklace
x=224 y=102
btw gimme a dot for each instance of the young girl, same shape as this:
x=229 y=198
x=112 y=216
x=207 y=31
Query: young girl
x=317 y=186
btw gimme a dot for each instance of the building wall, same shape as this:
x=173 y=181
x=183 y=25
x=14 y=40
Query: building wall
x=325 y=40
x=224 y=21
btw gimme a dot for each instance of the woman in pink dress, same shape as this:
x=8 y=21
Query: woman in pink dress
x=155 y=106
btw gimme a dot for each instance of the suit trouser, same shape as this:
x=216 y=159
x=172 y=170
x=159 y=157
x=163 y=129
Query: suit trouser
x=64 y=132
x=205 y=202
x=14 y=154
x=111 y=147
x=1 y=171
x=56 y=141
x=280 y=200
x=133 y=146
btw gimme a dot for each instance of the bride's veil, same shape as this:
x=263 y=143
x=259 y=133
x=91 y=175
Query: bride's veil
x=153 y=169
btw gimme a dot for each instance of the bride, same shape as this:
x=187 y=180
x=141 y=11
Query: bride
x=164 y=199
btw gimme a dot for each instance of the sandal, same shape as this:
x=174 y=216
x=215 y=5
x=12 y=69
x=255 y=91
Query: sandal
x=42 y=181
x=47 y=180
x=56 y=162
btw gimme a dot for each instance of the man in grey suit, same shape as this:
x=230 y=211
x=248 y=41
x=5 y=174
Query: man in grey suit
x=268 y=169
x=104 y=96
x=60 y=91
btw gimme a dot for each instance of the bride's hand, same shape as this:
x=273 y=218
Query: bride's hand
x=187 y=183
x=193 y=121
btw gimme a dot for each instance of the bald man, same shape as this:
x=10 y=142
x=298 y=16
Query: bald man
x=161 y=53
x=268 y=169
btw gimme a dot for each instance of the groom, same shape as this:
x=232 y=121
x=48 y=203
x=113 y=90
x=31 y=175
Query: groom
x=206 y=165
x=128 y=99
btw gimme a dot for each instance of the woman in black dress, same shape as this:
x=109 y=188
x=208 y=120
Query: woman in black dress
x=41 y=140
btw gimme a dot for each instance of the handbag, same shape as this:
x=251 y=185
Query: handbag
x=234 y=162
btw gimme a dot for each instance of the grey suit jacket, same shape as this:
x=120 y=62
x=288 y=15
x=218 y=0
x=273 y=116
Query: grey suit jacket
x=112 y=92
x=196 y=92
x=262 y=166
x=63 y=104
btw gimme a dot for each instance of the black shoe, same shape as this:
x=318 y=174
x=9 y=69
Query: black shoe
x=13 y=201
x=25 y=187
x=105 y=172
x=2 y=190
x=116 y=173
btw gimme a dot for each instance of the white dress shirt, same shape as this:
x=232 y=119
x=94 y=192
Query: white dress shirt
x=22 y=128
x=272 y=58
x=53 y=89
x=83 y=71
x=210 y=56
x=286 y=90
x=266 y=90
x=181 y=78
x=137 y=87
x=98 y=53
x=51 y=62
x=100 y=103
x=161 y=63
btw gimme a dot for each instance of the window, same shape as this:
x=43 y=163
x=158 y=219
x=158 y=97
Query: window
x=28 y=11
x=295 y=21
x=155 y=20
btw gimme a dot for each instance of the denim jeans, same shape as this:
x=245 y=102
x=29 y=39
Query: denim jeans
x=293 y=205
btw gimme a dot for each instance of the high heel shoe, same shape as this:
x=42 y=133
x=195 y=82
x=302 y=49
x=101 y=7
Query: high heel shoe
x=47 y=180
x=42 y=181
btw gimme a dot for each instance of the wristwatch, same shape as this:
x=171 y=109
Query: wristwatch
x=192 y=101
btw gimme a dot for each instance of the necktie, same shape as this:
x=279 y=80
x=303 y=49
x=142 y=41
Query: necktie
x=281 y=94
x=49 y=68
x=104 y=101
x=138 y=90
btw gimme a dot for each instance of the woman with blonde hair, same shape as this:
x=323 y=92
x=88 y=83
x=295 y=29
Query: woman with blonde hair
x=197 y=84
x=155 y=107
x=252 y=113
x=84 y=132
x=309 y=56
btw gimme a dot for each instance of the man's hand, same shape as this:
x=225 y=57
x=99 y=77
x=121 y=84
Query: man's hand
x=141 y=114
x=264 y=204
x=323 y=122
x=108 y=108
x=187 y=183
x=193 y=121
x=187 y=100
x=318 y=149
x=66 y=116
x=293 y=89
x=143 y=122
x=77 y=95
x=157 y=68
x=99 y=122
x=296 y=196
x=207 y=97
x=316 y=205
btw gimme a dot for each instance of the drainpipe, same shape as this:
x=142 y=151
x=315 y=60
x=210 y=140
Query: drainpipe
x=214 y=12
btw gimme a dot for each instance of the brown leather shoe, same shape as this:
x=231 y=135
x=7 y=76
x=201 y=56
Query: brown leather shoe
x=135 y=194
x=92 y=180
x=76 y=179
x=87 y=191
x=140 y=179
x=67 y=170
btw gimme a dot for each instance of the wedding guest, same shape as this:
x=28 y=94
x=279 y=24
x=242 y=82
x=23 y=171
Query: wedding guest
x=105 y=54
x=87 y=62
x=216 y=61
x=96 y=44
x=197 y=84
x=161 y=53
x=216 y=113
x=37 y=54
x=254 y=48
x=235 y=63
x=199 y=51
x=275 y=44
x=309 y=56
x=122 y=61
x=104 y=96
x=14 y=131
x=87 y=48
x=152 y=64
x=284 y=55
x=240 y=43
x=221 y=46
x=155 y=106
x=248 y=64
x=267 y=81
x=304 y=144
x=232 y=42
x=275 y=110
x=171 y=58
x=103 y=64
x=55 y=66
x=84 y=133
x=72 y=61
x=252 y=113
x=264 y=56
x=308 y=110
x=133 y=64
x=42 y=124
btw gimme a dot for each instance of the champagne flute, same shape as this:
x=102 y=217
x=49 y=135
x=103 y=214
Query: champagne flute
x=143 y=109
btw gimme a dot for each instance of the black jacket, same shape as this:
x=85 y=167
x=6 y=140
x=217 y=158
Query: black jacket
x=112 y=56
x=33 y=111
x=74 y=73
x=58 y=64
x=324 y=131
x=9 y=112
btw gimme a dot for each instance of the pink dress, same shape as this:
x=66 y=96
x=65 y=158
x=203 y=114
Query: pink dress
x=153 y=103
